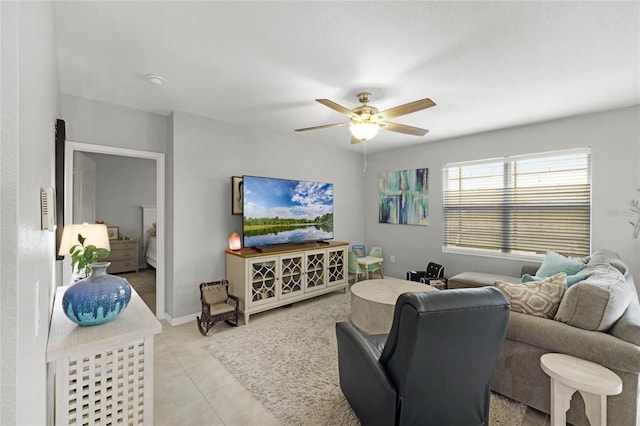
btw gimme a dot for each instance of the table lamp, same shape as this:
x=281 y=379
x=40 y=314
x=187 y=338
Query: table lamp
x=93 y=234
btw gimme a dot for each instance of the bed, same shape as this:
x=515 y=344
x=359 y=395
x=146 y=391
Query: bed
x=149 y=217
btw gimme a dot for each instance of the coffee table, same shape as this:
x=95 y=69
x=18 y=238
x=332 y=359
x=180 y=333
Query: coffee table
x=373 y=302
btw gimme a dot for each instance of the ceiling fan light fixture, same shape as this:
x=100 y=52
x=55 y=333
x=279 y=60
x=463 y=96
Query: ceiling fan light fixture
x=364 y=131
x=366 y=119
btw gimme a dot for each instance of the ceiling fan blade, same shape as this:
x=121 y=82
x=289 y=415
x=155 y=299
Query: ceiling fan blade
x=324 y=126
x=355 y=140
x=403 y=128
x=337 y=107
x=407 y=108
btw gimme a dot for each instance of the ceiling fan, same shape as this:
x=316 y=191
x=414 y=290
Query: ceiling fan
x=366 y=120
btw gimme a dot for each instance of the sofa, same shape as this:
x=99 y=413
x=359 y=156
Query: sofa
x=597 y=319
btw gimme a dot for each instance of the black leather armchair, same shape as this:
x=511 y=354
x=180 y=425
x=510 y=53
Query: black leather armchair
x=434 y=366
x=432 y=271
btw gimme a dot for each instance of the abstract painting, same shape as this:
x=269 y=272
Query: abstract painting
x=404 y=197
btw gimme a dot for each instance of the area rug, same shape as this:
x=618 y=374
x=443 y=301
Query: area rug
x=290 y=365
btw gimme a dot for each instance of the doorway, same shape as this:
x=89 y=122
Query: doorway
x=70 y=149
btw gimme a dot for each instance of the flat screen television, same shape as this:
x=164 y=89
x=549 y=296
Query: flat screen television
x=284 y=211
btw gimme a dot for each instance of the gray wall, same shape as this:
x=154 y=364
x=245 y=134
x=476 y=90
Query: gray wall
x=614 y=137
x=27 y=253
x=205 y=154
x=202 y=155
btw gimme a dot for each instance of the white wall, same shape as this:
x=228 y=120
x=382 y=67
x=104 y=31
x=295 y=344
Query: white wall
x=205 y=154
x=27 y=254
x=614 y=137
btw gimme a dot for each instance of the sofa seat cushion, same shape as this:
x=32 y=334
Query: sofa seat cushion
x=597 y=302
x=537 y=298
x=554 y=336
x=478 y=279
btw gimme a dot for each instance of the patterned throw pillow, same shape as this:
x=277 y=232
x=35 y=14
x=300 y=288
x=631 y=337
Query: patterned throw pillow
x=537 y=298
x=571 y=279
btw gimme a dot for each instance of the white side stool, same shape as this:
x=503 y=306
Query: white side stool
x=570 y=374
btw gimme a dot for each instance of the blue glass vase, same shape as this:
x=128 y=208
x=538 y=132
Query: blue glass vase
x=97 y=299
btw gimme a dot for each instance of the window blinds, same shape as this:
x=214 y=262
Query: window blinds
x=519 y=205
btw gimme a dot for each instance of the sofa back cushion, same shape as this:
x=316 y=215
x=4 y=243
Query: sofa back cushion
x=537 y=298
x=214 y=294
x=608 y=257
x=597 y=302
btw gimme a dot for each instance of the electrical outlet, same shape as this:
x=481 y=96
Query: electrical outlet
x=392 y=258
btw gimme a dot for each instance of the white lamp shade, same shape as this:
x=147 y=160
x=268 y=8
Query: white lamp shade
x=364 y=131
x=93 y=234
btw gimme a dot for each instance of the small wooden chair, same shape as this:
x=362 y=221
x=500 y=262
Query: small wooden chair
x=376 y=268
x=217 y=305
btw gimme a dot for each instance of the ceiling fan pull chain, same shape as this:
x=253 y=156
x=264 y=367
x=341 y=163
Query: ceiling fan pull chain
x=364 y=158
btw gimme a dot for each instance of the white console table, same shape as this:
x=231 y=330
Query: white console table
x=103 y=373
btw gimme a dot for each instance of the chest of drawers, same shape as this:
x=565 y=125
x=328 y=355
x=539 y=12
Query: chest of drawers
x=124 y=256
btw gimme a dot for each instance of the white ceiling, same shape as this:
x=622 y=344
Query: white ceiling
x=487 y=65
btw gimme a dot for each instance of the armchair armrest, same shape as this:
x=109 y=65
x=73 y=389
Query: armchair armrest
x=233 y=300
x=363 y=380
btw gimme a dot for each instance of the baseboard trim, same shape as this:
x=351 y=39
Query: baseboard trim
x=180 y=320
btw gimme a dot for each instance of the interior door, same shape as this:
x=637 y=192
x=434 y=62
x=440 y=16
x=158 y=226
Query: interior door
x=84 y=188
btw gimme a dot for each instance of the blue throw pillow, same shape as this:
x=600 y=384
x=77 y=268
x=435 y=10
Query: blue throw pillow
x=554 y=263
x=571 y=279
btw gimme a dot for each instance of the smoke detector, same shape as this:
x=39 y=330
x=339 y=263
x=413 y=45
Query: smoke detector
x=155 y=79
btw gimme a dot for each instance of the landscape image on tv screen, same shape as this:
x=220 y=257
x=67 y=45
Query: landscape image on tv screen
x=282 y=211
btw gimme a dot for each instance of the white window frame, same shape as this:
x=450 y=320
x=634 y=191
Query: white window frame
x=458 y=203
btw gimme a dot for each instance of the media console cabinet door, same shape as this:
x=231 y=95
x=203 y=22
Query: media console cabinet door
x=263 y=280
x=337 y=266
x=316 y=270
x=292 y=276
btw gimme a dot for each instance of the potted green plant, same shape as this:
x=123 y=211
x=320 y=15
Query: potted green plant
x=82 y=256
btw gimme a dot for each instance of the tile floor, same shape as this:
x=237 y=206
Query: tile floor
x=193 y=388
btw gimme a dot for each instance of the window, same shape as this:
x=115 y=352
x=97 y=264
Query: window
x=519 y=206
